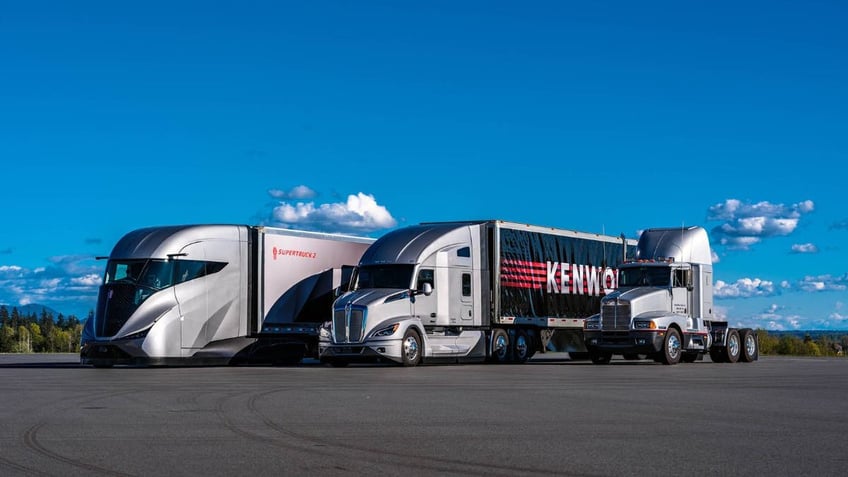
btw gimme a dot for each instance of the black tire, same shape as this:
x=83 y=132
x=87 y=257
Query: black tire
x=578 y=356
x=733 y=347
x=717 y=354
x=411 y=348
x=672 y=347
x=750 y=351
x=521 y=349
x=501 y=351
x=338 y=363
x=599 y=357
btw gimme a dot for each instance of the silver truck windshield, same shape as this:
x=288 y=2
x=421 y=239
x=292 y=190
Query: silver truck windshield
x=644 y=277
x=385 y=276
x=155 y=274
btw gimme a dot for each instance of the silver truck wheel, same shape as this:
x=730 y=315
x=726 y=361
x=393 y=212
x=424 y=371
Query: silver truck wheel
x=501 y=349
x=522 y=346
x=411 y=352
x=733 y=348
x=750 y=348
x=671 y=347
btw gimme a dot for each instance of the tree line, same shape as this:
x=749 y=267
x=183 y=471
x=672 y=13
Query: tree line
x=793 y=344
x=38 y=333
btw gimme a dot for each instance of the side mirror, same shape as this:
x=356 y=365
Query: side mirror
x=427 y=289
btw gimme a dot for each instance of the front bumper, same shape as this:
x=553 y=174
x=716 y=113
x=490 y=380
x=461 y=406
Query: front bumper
x=648 y=341
x=361 y=352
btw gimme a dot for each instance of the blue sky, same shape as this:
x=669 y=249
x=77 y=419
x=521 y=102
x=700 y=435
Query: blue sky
x=364 y=116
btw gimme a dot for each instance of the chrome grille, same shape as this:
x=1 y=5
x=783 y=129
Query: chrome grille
x=349 y=324
x=615 y=317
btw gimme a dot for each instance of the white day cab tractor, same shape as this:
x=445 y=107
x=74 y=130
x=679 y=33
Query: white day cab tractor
x=663 y=307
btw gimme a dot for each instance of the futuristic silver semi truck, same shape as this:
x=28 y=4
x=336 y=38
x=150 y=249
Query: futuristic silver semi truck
x=663 y=307
x=477 y=291
x=216 y=294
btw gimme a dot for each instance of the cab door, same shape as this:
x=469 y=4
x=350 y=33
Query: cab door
x=460 y=303
x=681 y=294
x=210 y=304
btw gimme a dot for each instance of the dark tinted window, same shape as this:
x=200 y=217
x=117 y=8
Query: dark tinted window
x=426 y=275
x=190 y=269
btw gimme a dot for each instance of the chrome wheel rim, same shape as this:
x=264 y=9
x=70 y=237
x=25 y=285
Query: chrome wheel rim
x=673 y=346
x=410 y=348
x=733 y=345
x=500 y=346
x=750 y=345
x=521 y=346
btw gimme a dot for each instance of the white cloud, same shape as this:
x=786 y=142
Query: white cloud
x=359 y=214
x=90 y=280
x=714 y=256
x=838 y=316
x=743 y=288
x=298 y=193
x=804 y=248
x=823 y=283
x=745 y=224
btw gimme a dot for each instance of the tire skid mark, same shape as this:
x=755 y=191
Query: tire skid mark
x=8 y=464
x=32 y=442
x=307 y=443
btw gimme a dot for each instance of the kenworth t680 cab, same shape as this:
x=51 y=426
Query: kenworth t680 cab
x=486 y=290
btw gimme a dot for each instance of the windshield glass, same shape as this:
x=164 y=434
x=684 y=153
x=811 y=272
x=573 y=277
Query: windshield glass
x=155 y=274
x=385 y=276
x=644 y=277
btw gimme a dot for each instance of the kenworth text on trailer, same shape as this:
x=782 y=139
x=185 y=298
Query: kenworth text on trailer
x=485 y=290
x=216 y=294
x=664 y=306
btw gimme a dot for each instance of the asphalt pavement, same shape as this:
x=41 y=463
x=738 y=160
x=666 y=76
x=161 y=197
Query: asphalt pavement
x=550 y=416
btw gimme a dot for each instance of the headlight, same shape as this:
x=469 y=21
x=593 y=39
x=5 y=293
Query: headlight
x=644 y=325
x=325 y=330
x=388 y=331
x=137 y=334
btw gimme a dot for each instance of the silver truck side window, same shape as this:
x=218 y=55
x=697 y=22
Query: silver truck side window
x=426 y=275
x=466 y=284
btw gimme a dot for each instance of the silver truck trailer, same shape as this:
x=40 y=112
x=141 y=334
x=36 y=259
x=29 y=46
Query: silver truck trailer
x=663 y=307
x=216 y=294
x=484 y=290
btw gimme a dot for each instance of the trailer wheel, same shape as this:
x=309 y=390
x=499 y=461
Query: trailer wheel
x=599 y=357
x=501 y=349
x=522 y=347
x=411 y=352
x=671 y=347
x=733 y=348
x=750 y=347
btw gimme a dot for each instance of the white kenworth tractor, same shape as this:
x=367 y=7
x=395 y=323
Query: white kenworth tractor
x=663 y=307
